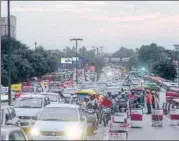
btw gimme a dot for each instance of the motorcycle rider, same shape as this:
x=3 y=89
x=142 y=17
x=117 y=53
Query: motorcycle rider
x=106 y=102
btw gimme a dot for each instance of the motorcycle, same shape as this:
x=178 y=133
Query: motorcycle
x=106 y=115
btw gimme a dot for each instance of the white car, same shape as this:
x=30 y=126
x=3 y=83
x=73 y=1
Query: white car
x=28 y=107
x=54 y=97
x=60 y=122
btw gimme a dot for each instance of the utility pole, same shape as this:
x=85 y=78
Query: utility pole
x=84 y=68
x=76 y=40
x=9 y=53
x=177 y=57
x=35 y=43
x=97 y=58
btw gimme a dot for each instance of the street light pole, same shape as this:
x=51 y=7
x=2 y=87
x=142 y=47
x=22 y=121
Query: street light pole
x=97 y=58
x=9 y=53
x=35 y=43
x=76 y=40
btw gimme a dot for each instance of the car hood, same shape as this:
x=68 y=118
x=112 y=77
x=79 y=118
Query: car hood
x=27 y=111
x=55 y=125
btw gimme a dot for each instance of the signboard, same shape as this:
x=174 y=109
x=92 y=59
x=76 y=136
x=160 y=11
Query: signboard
x=75 y=58
x=66 y=60
x=91 y=68
x=4 y=89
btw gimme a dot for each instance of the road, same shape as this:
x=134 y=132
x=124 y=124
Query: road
x=147 y=132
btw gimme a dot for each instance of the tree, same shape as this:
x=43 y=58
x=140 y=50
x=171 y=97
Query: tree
x=165 y=70
x=148 y=54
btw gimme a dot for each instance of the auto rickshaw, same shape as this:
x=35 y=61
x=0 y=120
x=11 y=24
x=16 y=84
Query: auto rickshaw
x=90 y=114
x=81 y=94
x=140 y=92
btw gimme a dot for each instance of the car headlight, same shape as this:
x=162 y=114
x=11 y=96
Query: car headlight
x=35 y=131
x=74 y=133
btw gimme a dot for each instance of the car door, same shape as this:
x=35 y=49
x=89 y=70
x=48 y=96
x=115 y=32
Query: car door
x=17 y=136
x=13 y=116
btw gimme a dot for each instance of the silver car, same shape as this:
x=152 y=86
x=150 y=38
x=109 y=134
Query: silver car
x=60 y=122
x=54 y=97
x=13 y=133
x=27 y=108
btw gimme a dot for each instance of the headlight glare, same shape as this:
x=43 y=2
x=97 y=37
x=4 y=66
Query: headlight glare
x=35 y=131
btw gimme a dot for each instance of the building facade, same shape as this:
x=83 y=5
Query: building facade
x=4 y=26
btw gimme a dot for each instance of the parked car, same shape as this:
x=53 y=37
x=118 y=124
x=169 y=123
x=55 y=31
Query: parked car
x=13 y=133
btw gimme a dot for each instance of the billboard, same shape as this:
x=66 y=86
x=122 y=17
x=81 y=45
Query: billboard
x=75 y=58
x=66 y=60
x=91 y=68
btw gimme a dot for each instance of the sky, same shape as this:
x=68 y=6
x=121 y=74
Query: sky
x=110 y=24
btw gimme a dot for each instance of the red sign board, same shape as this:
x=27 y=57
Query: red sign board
x=91 y=68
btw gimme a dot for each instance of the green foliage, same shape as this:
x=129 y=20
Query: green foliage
x=27 y=63
x=165 y=70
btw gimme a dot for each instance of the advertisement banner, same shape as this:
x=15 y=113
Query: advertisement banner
x=66 y=60
x=75 y=58
x=91 y=68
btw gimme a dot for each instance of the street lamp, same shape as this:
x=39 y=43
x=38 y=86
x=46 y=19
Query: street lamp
x=9 y=53
x=76 y=41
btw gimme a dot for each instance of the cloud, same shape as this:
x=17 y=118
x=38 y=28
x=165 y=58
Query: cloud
x=152 y=16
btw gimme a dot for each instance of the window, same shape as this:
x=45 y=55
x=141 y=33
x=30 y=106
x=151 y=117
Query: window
x=16 y=135
x=12 y=113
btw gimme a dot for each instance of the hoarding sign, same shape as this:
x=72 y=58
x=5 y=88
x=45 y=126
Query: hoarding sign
x=66 y=60
x=91 y=68
x=75 y=58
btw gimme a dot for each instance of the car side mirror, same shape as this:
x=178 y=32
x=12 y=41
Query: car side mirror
x=9 y=122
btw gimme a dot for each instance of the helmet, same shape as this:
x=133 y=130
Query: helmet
x=92 y=97
x=86 y=99
x=106 y=95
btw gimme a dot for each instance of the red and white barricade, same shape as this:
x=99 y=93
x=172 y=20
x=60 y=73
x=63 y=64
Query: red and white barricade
x=118 y=127
x=118 y=120
x=136 y=117
x=174 y=117
x=157 y=118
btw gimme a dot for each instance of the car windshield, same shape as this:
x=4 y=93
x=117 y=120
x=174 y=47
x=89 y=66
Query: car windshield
x=69 y=91
x=111 y=89
x=2 y=112
x=53 y=98
x=59 y=114
x=28 y=102
x=81 y=97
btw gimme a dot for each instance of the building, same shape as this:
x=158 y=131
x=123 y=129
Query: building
x=4 y=26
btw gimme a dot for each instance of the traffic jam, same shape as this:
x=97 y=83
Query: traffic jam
x=119 y=106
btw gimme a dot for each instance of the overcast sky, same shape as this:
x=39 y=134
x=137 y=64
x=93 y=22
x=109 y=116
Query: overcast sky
x=99 y=23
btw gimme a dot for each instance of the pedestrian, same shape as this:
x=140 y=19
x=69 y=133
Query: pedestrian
x=148 y=101
x=153 y=99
